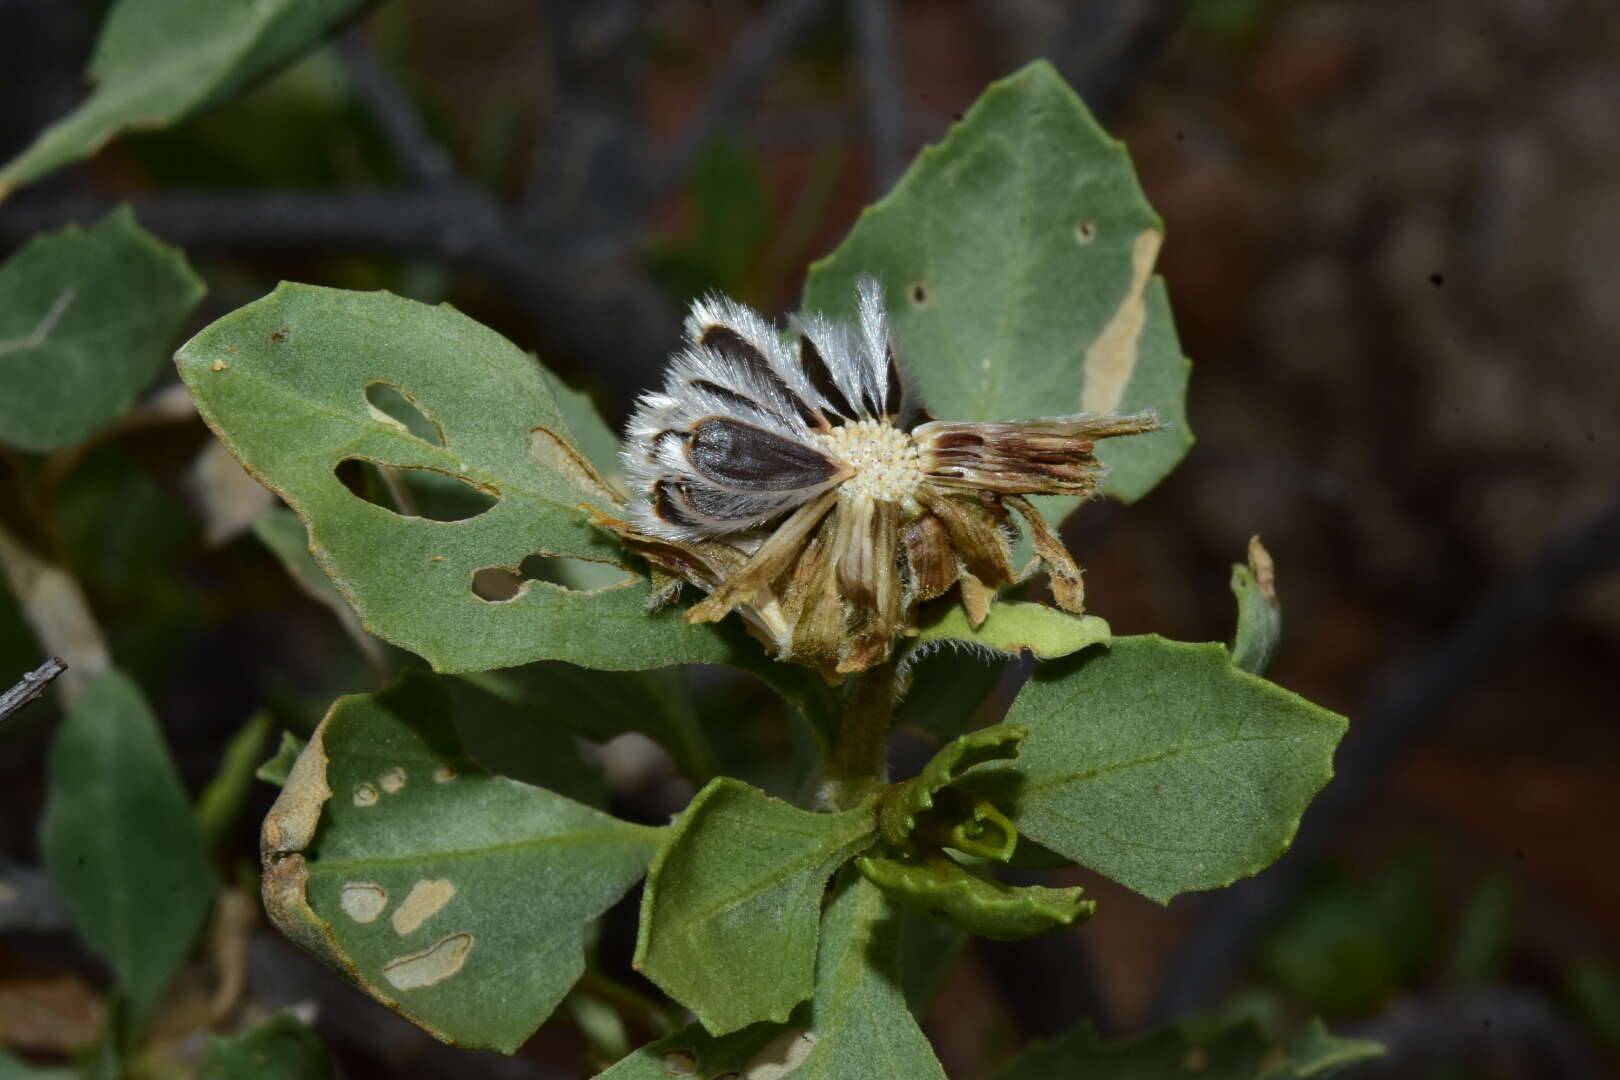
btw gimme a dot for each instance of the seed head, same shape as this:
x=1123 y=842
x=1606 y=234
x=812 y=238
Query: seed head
x=804 y=486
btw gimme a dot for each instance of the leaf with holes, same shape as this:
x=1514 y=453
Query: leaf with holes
x=157 y=61
x=458 y=532
x=733 y=902
x=1017 y=259
x=856 y=1025
x=457 y=898
x=86 y=317
x=1162 y=765
x=121 y=841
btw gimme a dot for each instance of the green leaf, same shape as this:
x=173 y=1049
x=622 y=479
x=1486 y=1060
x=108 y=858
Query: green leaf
x=946 y=889
x=222 y=800
x=158 y=60
x=279 y=765
x=513 y=741
x=280 y=1048
x=284 y=535
x=599 y=443
x=1015 y=625
x=1161 y=765
x=856 y=1026
x=1231 y=1051
x=86 y=317
x=457 y=898
x=969 y=825
x=1017 y=257
x=1259 y=615
x=928 y=949
x=601 y=705
x=121 y=842
x=948 y=691
x=283 y=381
x=733 y=902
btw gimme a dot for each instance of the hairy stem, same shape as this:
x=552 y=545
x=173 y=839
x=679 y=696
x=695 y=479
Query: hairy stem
x=857 y=762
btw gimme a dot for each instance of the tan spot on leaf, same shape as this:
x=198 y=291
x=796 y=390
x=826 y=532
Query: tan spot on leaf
x=444 y=774
x=290 y=824
x=218 y=365
x=433 y=964
x=680 y=1062
x=425 y=900
x=365 y=794
x=362 y=901
x=558 y=454
x=782 y=1056
x=1111 y=359
x=392 y=780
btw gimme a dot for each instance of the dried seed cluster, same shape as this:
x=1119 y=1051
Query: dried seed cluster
x=804 y=486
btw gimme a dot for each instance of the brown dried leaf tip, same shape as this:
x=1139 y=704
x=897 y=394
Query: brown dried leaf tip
x=804 y=486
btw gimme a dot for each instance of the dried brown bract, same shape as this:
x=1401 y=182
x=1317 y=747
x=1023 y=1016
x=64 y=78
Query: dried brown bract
x=805 y=487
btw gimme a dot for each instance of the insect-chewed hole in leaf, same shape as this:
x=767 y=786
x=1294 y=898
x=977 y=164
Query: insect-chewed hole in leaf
x=414 y=491
x=497 y=584
x=392 y=405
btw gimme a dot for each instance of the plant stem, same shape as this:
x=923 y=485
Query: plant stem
x=857 y=764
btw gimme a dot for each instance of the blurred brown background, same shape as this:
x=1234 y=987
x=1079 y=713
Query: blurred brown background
x=1394 y=256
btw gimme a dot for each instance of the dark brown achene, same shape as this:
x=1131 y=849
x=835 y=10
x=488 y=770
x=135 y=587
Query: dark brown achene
x=805 y=487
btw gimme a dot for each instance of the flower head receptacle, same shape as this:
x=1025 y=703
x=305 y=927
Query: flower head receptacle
x=805 y=487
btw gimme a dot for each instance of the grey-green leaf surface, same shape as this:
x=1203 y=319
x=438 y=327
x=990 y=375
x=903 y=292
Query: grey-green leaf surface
x=156 y=61
x=511 y=740
x=1017 y=259
x=1161 y=765
x=121 y=841
x=600 y=705
x=283 y=381
x=856 y=1026
x=280 y=1048
x=1235 y=1051
x=87 y=316
x=284 y=535
x=599 y=443
x=733 y=903
x=457 y=898
x=948 y=691
x=1014 y=626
